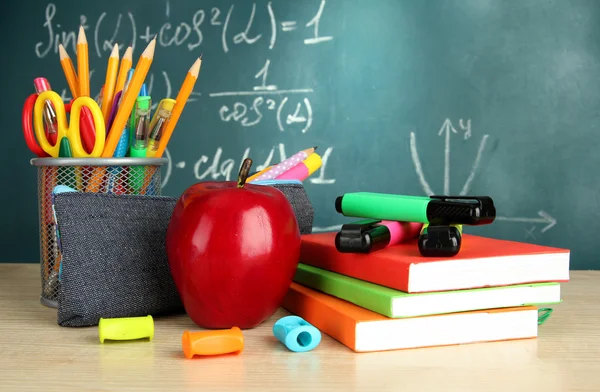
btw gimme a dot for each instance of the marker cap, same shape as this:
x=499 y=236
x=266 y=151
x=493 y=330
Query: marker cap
x=440 y=241
x=126 y=328
x=212 y=342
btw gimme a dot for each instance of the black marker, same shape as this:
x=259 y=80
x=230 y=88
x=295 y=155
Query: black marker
x=370 y=235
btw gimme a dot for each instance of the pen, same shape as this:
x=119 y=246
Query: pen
x=131 y=123
x=371 y=235
x=142 y=109
x=140 y=127
x=50 y=119
x=158 y=124
x=436 y=210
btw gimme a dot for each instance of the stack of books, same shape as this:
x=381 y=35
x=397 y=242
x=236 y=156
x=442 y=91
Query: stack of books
x=396 y=299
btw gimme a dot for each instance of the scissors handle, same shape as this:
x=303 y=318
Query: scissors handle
x=26 y=122
x=70 y=130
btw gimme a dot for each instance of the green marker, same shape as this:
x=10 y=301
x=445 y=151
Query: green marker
x=66 y=174
x=437 y=210
x=140 y=140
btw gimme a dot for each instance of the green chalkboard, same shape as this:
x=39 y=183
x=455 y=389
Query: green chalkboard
x=401 y=96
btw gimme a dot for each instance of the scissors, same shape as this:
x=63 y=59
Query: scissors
x=71 y=130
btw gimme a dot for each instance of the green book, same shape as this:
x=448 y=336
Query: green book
x=398 y=304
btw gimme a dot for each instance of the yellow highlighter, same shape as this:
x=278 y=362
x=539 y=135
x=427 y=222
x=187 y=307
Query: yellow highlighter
x=158 y=125
x=126 y=328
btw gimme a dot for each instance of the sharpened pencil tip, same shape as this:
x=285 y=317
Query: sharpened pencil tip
x=315 y=147
x=200 y=57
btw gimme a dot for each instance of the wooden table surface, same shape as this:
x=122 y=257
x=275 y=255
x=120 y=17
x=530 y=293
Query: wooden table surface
x=37 y=354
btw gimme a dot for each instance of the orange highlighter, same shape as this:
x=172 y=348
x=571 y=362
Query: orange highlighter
x=212 y=342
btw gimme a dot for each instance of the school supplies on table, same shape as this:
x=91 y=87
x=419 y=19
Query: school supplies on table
x=399 y=304
x=365 y=331
x=369 y=235
x=436 y=210
x=482 y=262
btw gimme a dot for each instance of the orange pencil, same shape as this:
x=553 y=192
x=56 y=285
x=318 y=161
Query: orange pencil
x=83 y=66
x=127 y=102
x=182 y=97
x=109 y=83
x=69 y=70
x=126 y=63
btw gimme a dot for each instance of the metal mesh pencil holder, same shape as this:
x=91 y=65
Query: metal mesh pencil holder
x=131 y=176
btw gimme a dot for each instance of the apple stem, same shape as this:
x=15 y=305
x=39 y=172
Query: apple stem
x=244 y=171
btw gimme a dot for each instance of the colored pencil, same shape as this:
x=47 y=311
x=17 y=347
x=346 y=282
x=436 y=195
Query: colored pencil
x=109 y=82
x=182 y=97
x=69 y=71
x=286 y=165
x=129 y=98
x=83 y=66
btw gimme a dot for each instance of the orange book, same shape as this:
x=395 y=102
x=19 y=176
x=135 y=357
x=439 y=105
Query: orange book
x=481 y=262
x=364 y=331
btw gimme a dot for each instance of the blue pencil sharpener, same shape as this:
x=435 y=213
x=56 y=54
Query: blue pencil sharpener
x=296 y=334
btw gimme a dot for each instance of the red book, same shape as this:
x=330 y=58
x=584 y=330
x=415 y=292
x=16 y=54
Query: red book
x=481 y=262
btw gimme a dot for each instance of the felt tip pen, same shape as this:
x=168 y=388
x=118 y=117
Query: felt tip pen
x=436 y=210
x=440 y=241
x=158 y=124
x=371 y=235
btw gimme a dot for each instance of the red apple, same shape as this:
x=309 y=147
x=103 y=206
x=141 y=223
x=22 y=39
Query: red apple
x=233 y=249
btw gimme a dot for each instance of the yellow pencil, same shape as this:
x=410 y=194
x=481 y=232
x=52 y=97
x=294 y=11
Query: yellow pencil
x=109 y=83
x=124 y=111
x=83 y=66
x=182 y=97
x=69 y=70
x=126 y=63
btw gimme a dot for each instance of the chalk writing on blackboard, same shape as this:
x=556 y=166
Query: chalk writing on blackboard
x=446 y=130
x=107 y=29
x=287 y=110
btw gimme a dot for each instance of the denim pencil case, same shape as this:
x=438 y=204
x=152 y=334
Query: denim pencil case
x=296 y=194
x=114 y=260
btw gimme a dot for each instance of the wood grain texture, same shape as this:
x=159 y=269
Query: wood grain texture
x=37 y=354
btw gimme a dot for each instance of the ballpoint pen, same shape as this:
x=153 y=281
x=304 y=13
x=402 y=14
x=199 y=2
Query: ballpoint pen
x=140 y=127
x=142 y=109
x=50 y=120
x=157 y=125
